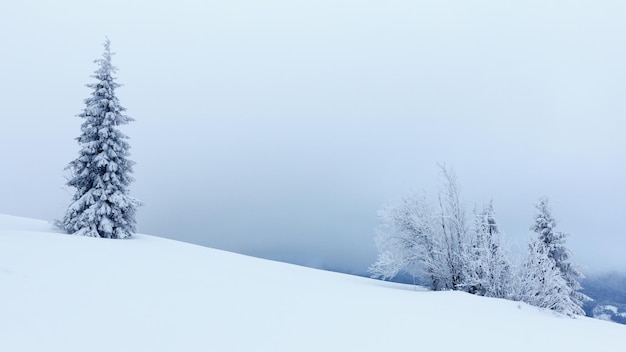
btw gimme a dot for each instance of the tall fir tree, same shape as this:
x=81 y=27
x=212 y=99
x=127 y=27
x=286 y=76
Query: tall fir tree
x=554 y=242
x=102 y=206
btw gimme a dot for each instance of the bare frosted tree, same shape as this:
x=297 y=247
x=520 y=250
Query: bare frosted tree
x=416 y=239
x=453 y=230
x=404 y=239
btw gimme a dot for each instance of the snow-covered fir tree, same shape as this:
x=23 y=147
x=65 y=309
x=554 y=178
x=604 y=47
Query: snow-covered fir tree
x=541 y=283
x=478 y=271
x=102 y=205
x=489 y=268
x=554 y=242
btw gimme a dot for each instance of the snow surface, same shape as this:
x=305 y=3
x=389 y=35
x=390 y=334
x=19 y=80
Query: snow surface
x=69 y=293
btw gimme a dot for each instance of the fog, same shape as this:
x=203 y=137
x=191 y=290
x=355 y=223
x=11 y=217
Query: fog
x=279 y=129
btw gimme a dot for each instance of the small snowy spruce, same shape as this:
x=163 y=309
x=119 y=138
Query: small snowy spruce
x=490 y=270
x=541 y=282
x=554 y=242
x=101 y=205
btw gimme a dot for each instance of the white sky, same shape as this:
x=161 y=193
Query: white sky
x=279 y=128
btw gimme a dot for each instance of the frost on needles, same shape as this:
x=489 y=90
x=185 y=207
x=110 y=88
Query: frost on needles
x=101 y=205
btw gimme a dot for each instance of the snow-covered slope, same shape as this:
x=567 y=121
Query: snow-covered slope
x=67 y=293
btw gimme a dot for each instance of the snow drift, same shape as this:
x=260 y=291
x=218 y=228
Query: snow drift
x=69 y=293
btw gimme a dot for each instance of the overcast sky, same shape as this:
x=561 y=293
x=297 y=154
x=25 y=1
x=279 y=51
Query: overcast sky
x=280 y=128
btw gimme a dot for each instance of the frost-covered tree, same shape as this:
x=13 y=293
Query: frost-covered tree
x=101 y=205
x=437 y=244
x=398 y=239
x=417 y=239
x=407 y=243
x=554 y=242
x=489 y=268
x=478 y=271
x=453 y=231
x=541 y=283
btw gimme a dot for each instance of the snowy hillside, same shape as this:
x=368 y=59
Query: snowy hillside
x=67 y=293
